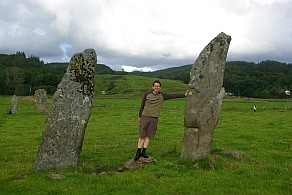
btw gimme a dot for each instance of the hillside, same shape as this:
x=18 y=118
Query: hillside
x=176 y=73
x=132 y=86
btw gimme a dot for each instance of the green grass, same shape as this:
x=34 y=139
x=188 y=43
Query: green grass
x=111 y=139
x=132 y=86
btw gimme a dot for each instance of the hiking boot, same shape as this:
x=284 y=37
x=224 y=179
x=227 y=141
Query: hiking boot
x=144 y=155
x=138 y=155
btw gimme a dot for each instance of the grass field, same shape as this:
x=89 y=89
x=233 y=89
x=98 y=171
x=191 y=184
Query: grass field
x=111 y=139
x=132 y=86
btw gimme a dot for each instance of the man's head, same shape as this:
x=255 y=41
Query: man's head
x=156 y=82
x=156 y=86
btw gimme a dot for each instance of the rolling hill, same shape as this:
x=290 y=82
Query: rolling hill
x=132 y=86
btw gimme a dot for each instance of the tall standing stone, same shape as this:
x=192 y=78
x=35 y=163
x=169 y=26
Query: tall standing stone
x=14 y=104
x=204 y=102
x=40 y=100
x=62 y=138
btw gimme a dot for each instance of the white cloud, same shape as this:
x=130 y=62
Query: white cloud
x=132 y=68
x=150 y=33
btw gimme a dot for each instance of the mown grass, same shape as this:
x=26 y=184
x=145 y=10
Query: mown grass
x=111 y=139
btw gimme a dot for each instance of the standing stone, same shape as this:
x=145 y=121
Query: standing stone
x=14 y=104
x=62 y=138
x=40 y=100
x=204 y=102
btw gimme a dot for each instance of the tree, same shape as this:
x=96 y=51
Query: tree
x=14 y=77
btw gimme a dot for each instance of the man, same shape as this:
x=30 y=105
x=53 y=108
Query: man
x=148 y=116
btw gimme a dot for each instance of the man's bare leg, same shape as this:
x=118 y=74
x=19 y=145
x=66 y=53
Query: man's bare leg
x=145 y=145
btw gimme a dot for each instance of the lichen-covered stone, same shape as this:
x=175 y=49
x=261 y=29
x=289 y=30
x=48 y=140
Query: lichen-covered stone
x=62 y=138
x=40 y=100
x=204 y=101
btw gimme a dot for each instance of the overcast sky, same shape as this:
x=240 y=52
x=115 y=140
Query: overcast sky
x=146 y=35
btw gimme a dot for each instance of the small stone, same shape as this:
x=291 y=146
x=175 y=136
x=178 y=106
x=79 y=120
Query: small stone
x=9 y=111
x=18 y=180
x=102 y=173
x=57 y=176
x=196 y=166
x=234 y=153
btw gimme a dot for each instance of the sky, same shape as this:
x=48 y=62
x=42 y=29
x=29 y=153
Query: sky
x=146 y=35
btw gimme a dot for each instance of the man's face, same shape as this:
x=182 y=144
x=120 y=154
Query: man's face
x=156 y=87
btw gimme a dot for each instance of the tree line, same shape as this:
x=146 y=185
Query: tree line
x=22 y=75
x=266 y=79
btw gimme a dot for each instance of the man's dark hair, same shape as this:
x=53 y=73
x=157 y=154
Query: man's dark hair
x=156 y=81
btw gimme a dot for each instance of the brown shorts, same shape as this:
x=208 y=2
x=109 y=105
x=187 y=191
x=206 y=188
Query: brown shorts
x=148 y=126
